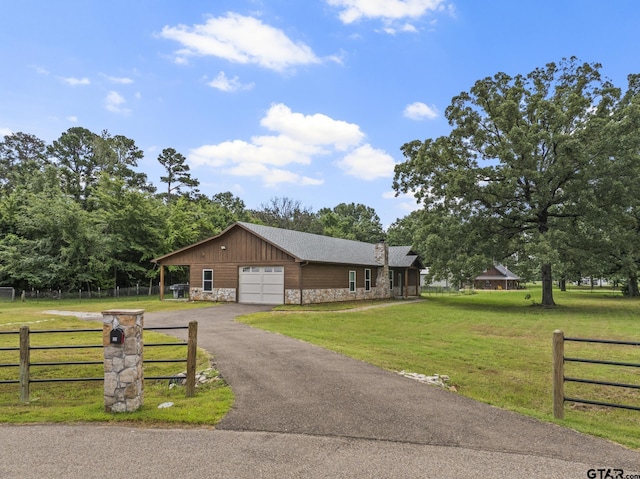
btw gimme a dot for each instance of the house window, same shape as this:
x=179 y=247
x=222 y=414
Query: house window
x=367 y=280
x=390 y=279
x=352 y=281
x=207 y=280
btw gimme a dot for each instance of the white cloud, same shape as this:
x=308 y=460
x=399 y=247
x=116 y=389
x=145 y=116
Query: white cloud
x=76 y=81
x=420 y=111
x=240 y=39
x=5 y=131
x=41 y=70
x=297 y=140
x=114 y=102
x=221 y=82
x=354 y=10
x=368 y=163
x=72 y=119
x=315 y=129
x=119 y=80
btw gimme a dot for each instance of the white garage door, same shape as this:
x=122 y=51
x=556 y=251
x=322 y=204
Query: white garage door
x=261 y=284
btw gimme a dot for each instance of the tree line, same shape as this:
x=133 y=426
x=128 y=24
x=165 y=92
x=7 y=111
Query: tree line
x=76 y=213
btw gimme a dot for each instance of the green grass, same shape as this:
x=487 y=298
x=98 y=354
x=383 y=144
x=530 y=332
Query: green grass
x=495 y=346
x=83 y=401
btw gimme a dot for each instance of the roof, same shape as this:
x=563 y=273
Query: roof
x=504 y=274
x=319 y=248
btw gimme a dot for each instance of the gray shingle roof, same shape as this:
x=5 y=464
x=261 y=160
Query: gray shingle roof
x=325 y=249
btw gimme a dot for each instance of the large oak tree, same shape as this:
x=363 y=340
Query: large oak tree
x=522 y=160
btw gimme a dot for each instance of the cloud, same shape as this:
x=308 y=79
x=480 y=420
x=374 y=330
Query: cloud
x=119 y=80
x=240 y=39
x=222 y=83
x=5 y=131
x=41 y=70
x=114 y=102
x=72 y=119
x=354 y=10
x=297 y=141
x=420 y=111
x=75 y=81
x=315 y=129
x=367 y=163
x=390 y=12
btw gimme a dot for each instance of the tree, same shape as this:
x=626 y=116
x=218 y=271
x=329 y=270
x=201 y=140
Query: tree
x=289 y=214
x=178 y=175
x=521 y=159
x=403 y=231
x=118 y=156
x=22 y=156
x=134 y=225
x=79 y=169
x=351 y=221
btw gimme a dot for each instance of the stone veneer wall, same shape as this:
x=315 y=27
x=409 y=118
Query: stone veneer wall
x=292 y=296
x=123 y=370
x=218 y=294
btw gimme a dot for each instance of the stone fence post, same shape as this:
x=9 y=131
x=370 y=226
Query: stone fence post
x=123 y=372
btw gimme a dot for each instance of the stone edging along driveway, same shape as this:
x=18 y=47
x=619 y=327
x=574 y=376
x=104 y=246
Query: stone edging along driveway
x=284 y=385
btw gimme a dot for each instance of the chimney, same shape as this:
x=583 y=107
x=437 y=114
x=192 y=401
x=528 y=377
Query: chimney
x=381 y=255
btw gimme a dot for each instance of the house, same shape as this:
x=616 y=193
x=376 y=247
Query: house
x=497 y=277
x=427 y=281
x=249 y=263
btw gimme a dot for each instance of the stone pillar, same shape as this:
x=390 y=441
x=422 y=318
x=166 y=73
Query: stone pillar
x=123 y=373
x=381 y=255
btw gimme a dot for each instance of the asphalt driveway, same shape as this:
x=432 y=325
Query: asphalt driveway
x=303 y=411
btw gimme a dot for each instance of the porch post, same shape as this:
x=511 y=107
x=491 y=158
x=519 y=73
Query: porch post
x=161 y=282
x=405 y=293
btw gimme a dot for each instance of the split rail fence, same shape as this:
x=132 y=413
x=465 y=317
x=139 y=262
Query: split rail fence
x=25 y=377
x=559 y=378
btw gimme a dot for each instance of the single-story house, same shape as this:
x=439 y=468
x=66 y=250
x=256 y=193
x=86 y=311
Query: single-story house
x=249 y=263
x=497 y=277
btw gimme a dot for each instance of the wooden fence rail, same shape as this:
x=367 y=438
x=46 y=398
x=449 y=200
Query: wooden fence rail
x=559 y=360
x=25 y=378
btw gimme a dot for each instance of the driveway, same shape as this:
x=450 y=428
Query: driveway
x=303 y=411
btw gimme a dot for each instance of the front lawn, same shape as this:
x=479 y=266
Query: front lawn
x=84 y=401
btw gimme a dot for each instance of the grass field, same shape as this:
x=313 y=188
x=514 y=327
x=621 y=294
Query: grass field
x=495 y=346
x=83 y=401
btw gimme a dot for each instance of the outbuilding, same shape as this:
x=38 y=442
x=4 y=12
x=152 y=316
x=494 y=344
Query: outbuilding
x=250 y=263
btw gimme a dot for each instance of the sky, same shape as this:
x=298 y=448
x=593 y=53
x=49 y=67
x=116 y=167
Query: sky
x=305 y=99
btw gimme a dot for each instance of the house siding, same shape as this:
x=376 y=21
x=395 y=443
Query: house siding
x=304 y=282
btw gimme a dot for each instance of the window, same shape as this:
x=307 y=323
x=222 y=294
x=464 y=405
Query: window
x=352 y=281
x=367 y=280
x=207 y=280
x=390 y=279
x=268 y=269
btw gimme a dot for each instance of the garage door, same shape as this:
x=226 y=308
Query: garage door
x=261 y=285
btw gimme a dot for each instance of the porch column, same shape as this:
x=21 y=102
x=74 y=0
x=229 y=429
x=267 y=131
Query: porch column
x=405 y=293
x=161 y=282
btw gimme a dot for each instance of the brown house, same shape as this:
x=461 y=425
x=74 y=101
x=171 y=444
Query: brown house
x=250 y=263
x=497 y=277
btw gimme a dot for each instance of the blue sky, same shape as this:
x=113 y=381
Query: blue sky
x=308 y=99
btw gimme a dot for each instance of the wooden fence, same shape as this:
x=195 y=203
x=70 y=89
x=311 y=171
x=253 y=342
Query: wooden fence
x=25 y=377
x=559 y=360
